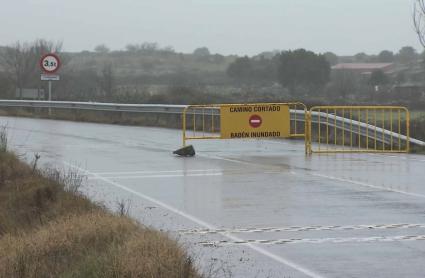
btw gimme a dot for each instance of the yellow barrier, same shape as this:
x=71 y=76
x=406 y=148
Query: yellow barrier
x=205 y=121
x=325 y=129
x=355 y=129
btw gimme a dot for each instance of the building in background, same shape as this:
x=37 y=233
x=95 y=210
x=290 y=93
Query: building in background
x=364 y=68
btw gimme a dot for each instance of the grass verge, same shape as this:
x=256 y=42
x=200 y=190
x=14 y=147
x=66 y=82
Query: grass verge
x=48 y=229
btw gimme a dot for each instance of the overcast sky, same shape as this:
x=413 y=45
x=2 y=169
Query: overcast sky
x=225 y=26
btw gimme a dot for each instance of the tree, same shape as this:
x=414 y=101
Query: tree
x=5 y=86
x=201 y=52
x=331 y=57
x=419 y=20
x=240 y=69
x=386 y=56
x=302 y=68
x=258 y=70
x=422 y=59
x=168 y=49
x=407 y=54
x=149 y=47
x=21 y=61
x=378 y=77
x=101 y=48
x=264 y=70
x=344 y=83
x=218 y=59
x=401 y=77
x=361 y=57
x=133 y=48
x=145 y=48
x=267 y=54
x=107 y=81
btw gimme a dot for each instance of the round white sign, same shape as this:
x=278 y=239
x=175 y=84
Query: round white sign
x=50 y=63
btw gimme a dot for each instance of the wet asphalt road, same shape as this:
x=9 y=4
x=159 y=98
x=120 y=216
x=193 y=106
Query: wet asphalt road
x=249 y=208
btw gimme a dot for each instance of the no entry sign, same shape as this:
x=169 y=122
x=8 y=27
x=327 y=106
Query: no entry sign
x=255 y=121
x=50 y=63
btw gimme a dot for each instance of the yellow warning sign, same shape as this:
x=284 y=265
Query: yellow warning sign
x=254 y=121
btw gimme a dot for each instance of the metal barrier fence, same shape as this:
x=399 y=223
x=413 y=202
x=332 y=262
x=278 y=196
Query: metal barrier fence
x=355 y=129
x=201 y=122
x=204 y=121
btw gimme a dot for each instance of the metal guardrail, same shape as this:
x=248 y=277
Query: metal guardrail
x=317 y=117
x=96 y=106
x=349 y=129
x=298 y=115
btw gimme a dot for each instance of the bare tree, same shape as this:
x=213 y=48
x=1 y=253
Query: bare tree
x=419 y=20
x=107 y=80
x=14 y=62
x=21 y=61
x=102 y=48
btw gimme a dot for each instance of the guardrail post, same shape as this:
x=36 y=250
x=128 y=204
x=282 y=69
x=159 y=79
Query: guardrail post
x=184 y=126
x=407 y=131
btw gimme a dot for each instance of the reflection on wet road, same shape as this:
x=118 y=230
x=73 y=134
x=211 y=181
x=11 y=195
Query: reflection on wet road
x=250 y=208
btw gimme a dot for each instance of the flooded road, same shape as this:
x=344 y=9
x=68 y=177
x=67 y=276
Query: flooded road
x=248 y=208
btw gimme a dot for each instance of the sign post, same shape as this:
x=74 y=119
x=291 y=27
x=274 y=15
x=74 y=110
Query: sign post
x=50 y=64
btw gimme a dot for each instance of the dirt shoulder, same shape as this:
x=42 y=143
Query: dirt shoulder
x=48 y=229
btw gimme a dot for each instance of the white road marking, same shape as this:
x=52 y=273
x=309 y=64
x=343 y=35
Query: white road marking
x=314 y=240
x=158 y=176
x=231 y=160
x=201 y=223
x=156 y=172
x=305 y=228
x=368 y=185
x=274 y=141
x=170 y=174
x=252 y=164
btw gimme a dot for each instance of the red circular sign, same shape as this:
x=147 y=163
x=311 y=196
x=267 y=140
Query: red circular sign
x=50 y=63
x=255 y=121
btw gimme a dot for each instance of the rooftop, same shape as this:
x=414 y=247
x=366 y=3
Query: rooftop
x=362 y=66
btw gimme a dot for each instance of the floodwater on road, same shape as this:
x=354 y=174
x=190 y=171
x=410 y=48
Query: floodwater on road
x=249 y=208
